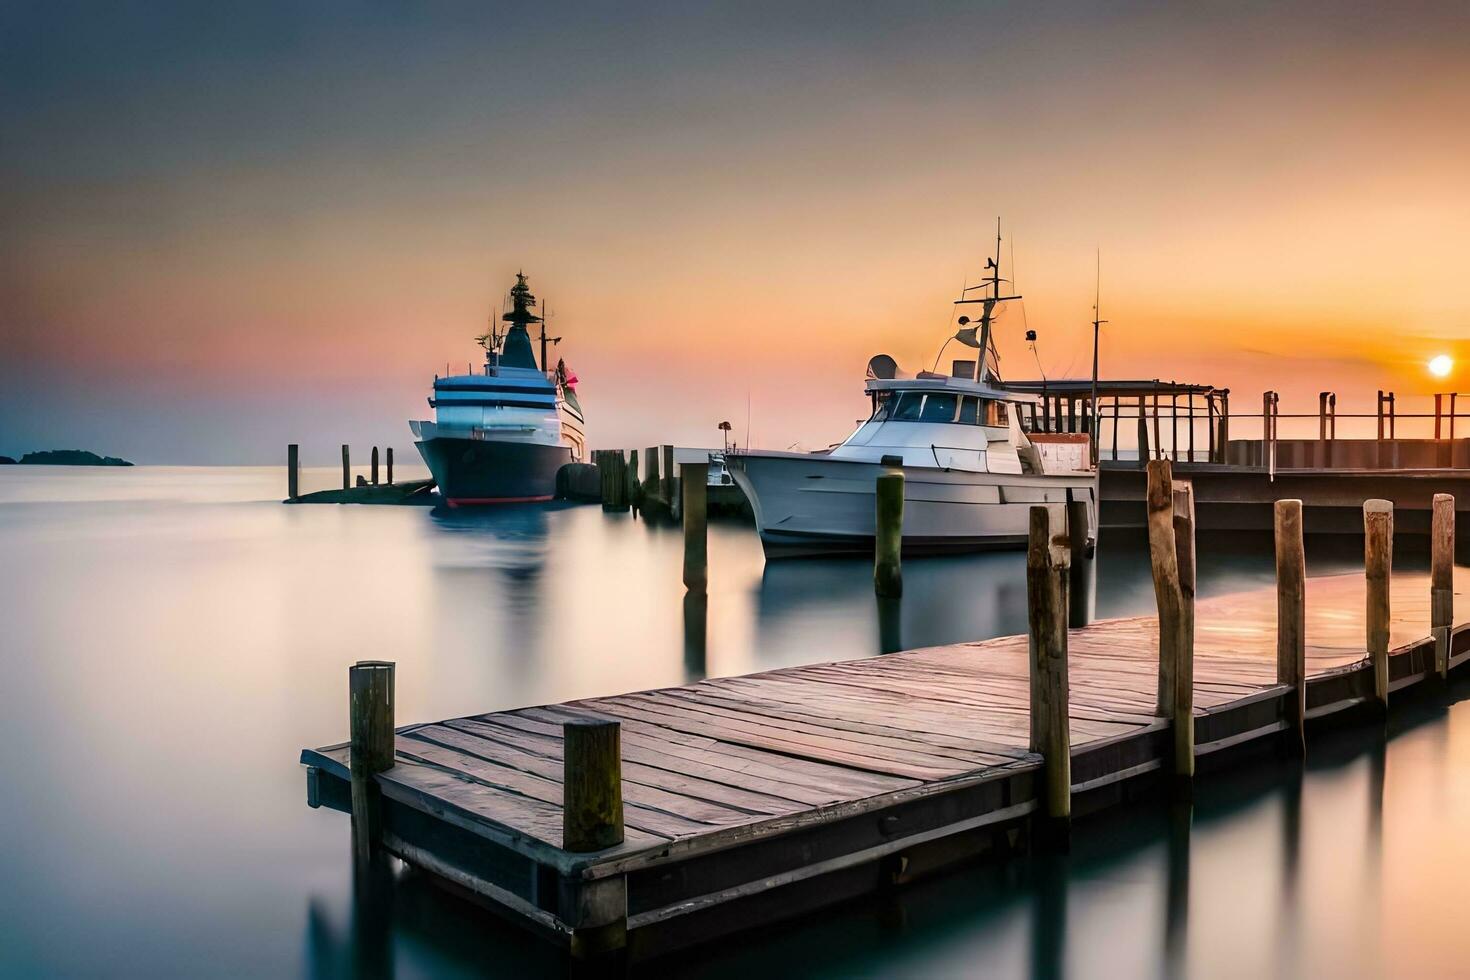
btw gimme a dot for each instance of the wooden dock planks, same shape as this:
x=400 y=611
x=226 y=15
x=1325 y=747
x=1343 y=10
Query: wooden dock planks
x=731 y=761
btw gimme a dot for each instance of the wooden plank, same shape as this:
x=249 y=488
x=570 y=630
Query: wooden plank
x=739 y=765
x=489 y=759
x=636 y=774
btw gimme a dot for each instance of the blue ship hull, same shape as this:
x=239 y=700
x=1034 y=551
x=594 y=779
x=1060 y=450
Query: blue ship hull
x=480 y=471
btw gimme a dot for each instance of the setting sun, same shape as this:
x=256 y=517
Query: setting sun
x=1440 y=366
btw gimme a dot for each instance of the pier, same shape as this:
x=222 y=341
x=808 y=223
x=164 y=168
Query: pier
x=646 y=822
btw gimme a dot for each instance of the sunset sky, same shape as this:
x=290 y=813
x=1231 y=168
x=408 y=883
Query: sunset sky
x=228 y=227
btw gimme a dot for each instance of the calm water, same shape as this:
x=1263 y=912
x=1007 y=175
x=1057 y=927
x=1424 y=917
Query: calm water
x=171 y=638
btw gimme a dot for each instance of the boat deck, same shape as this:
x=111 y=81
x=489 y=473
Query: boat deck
x=737 y=787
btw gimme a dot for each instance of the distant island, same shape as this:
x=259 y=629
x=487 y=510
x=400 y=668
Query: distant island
x=66 y=457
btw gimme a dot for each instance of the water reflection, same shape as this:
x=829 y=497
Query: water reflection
x=696 y=649
x=154 y=612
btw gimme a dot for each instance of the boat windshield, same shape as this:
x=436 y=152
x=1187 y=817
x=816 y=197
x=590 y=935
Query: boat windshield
x=939 y=406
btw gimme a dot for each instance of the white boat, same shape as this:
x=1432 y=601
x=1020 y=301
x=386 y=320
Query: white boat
x=972 y=453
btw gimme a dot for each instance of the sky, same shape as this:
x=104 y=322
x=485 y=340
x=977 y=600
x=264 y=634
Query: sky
x=224 y=228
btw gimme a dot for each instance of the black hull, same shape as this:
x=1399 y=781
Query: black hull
x=795 y=544
x=480 y=471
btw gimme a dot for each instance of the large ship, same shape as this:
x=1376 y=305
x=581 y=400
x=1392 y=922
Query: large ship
x=974 y=455
x=501 y=435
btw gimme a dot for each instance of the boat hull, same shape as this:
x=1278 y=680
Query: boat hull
x=813 y=504
x=471 y=472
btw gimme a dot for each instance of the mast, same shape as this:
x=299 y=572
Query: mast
x=1096 y=332
x=988 y=304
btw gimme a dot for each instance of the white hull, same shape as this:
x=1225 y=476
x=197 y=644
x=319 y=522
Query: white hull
x=809 y=504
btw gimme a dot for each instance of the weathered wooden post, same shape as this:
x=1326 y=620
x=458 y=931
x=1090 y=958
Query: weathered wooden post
x=346 y=468
x=1183 y=713
x=1171 y=560
x=652 y=485
x=694 y=477
x=1441 y=580
x=1291 y=618
x=1378 y=564
x=1082 y=562
x=390 y=465
x=1046 y=613
x=293 y=471
x=671 y=476
x=370 y=699
x=612 y=471
x=592 y=820
x=888 y=539
x=375 y=466
x=633 y=490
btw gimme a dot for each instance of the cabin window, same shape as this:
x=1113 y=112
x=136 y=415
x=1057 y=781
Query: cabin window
x=969 y=410
x=910 y=404
x=882 y=403
x=995 y=413
x=939 y=408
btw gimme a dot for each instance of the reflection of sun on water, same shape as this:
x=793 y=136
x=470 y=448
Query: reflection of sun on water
x=1440 y=366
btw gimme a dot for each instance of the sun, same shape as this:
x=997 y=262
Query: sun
x=1440 y=366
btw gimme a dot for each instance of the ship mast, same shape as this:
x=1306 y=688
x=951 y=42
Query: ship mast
x=988 y=304
x=520 y=314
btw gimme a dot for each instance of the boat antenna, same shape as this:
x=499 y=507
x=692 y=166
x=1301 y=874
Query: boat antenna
x=987 y=314
x=1097 y=323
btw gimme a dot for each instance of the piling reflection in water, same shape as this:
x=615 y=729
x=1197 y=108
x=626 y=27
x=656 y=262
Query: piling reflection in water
x=696 y=647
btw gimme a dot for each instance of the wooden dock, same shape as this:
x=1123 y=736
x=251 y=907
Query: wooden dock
x=748 y=799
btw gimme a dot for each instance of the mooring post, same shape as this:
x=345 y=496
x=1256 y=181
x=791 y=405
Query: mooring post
x=1172 y=562
x=632 y=489
x=1046 y=609
x=1082 y=562
x=293 y=471
x=390 y=465
x=652 y=485
x=592 y=819
x=1291 y=618
x=346 y=468
x=375 y=466
x=1183 y=713
x=370 y=696
x=1441 y=580
x=888 y=539
x=1164 y=566
x=693 y=477
x=1378 y=564
x=671 y=476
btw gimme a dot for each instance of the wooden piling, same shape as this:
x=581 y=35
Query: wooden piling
x=390 y=465
x=1046 y=613
x=1164 y=565
x=694 y=477
x=670 y=475
x=1378 y=565
x=293 y=471
x=346 y=468
x=652 y=485
x=632 y=489
x=370 y=699
x=1082 y=561
x=1183 y=711
x=1441 y=580
x=592 y=806
x=592 y=820
x=612 y=471
x=375 y=466
x=888 y=537
x=1172 y=562
x=1291 y=617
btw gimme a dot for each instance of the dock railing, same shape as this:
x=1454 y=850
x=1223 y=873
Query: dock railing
x=1195 y=424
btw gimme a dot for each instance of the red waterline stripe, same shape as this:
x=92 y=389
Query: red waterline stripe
x=475 y=501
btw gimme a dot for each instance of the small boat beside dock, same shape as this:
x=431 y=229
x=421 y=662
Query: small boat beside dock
x=646 y=822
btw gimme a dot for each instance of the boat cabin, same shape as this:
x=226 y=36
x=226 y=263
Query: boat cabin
x=949 y=422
